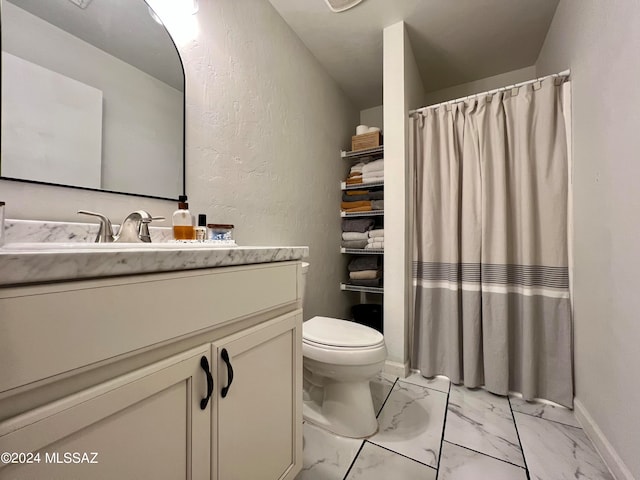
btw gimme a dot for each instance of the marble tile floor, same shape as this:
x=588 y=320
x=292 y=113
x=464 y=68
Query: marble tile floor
x=432 y=430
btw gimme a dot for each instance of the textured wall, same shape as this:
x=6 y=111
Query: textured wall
x=479 y=86
x=599 y=42
x=265 y=125
x=264 y=128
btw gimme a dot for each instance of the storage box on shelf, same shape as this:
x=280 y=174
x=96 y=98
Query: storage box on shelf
x=366 y=141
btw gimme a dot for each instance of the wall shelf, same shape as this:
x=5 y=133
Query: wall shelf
x=358 y=186
x=369 y=152
x=362 y=251
x=359 y=288
x=372 y=213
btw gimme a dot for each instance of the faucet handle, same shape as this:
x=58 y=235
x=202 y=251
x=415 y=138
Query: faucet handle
x=105 y=232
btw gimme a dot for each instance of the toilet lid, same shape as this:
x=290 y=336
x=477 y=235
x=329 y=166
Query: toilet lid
x=340 y=333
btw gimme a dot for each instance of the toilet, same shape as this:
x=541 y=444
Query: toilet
x=339 y=359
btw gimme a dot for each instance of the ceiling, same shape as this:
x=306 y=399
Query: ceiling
x=122 y=28
x=454 y=41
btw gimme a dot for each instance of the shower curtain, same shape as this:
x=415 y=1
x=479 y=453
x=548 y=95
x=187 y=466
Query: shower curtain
x=490 y=260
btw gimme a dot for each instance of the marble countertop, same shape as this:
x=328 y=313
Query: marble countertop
x=25 y=265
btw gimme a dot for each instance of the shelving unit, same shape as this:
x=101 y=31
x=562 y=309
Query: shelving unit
x=371 y=153
x=358 y=288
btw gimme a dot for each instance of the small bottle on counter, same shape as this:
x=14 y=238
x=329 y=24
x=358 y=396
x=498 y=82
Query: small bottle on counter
x=182 y=221
x=201 y=229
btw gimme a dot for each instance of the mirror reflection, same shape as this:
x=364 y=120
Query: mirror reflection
x=92 y=97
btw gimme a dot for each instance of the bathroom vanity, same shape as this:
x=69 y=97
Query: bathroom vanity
x=191 y=372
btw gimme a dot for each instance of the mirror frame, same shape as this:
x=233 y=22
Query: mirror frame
x=184 y=132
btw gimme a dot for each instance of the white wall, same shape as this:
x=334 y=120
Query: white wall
x=479 y=86
x=403 y=91
x=133 y=102
x=599 y=42
x=265 y=126
x=373 y=117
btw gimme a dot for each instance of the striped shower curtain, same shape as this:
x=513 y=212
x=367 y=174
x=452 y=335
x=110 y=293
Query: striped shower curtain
x=490 y=260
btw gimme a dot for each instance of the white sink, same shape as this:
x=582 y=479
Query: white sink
x=81 y=246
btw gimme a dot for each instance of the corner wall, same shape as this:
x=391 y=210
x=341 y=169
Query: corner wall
x=598 y=42
x=403 y=91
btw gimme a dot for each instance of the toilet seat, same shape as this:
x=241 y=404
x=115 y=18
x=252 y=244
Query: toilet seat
x=340 y=342
x=334 y=332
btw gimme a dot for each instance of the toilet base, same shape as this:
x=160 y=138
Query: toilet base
x=344 y=408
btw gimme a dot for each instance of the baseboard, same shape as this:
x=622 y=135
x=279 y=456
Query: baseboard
x=617 y=467
x=397 y=369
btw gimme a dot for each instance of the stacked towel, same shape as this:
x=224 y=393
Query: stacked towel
x=366 y=172
x=359 y=195
x=355 y=236
x=357 y=224
x=364 y=262
x=373 y=171
x=375 y=239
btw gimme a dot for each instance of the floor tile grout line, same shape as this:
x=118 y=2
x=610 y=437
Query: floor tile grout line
x=444 y=427
x=401 y=454
x=485 y=454
x=524 y=458
x=387 y=397
x=404 y=380
x=354 y=460
x=547 y=419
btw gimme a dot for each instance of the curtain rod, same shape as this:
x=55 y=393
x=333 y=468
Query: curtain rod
x=564 y=73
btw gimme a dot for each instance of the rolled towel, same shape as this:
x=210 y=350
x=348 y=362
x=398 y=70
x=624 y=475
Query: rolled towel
x=354 y=243
x=364 y=262
x=378 y=232
x=357 y=224
x=364 y=275
x=375 y=240
x=375 y=245
x=375 y=166
x=355 y=236
x=377 y=204
x=367 y=283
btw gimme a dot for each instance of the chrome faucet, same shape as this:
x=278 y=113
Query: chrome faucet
x=133 y=229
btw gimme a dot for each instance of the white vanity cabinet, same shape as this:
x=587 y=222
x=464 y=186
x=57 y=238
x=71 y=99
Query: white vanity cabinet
x=258 y=411
x=147 y=424
x=131 y=390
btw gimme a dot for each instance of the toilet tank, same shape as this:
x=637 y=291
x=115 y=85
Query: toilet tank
x=303 y=285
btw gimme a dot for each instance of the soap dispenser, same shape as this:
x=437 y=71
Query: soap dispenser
x=182 y=221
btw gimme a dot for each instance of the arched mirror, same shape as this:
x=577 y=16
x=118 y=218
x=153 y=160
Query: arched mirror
x=92 y=97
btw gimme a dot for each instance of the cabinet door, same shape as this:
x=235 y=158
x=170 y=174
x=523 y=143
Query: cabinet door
x=258 y=423
x=146 y=424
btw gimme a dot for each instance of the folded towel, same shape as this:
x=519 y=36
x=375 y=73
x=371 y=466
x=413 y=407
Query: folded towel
x=376 y=240
x=378 y=232
x=354 y=243
x=361 y=203
x=357 y=209
x=364 y=262
x=357 y=167
x=371 y=178
x=357 y=224
x=375 y=166
x=377 y=204
x=367 y=283
x=375 y=195
x=354 y=181
x=364 y=275
x=355 y=236
x=375 y=245
x=357 y=192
